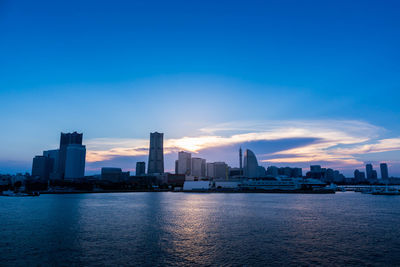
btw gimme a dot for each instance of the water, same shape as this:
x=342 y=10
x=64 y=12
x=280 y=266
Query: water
x=184 y=229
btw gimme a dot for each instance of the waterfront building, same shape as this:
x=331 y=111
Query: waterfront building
x=250 y=169
x=75 y=161
x=198 y=167
x=184 y=164
x=220 y=170
x=54 y=156
x=273 y=171
x=140 y=168
x=240 y=161
x=359 y=176
x=374 y=175
x=210 y=170
x=384 y=171
x=66 y=140
x=114 y=175
x=156 y=154
x=369 y=170
x=41 y=167
x=261 y=172
x=234 y=173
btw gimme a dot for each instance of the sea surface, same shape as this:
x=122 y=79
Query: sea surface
x=200 y=229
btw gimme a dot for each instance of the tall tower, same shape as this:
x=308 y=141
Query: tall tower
x=369 y=169
x=240 y=158
x=71 y=162
x=156 y=154
x=384 y=171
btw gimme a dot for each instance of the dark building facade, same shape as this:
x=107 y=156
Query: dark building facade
x=140 y=168
x=156 y=154
x=66 y=140
x=384 y=171
x=41 y=167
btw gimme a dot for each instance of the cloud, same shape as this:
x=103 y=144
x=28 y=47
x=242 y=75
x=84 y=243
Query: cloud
x=327 y=140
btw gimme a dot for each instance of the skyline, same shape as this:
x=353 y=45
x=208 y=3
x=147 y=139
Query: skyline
x=297 y=83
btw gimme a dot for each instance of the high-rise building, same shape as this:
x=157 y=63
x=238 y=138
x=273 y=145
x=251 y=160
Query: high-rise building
x=54 y=156
x=184 y=164
x=240 y=159
x=384 y=171
x=41 y=167
x=220 y=170
x=156 y=154
x=140 y=168
x=72 y=152
x=198 y=167
x=369 y=171
x=75 y=161
x=210 y=170
x=250 y=169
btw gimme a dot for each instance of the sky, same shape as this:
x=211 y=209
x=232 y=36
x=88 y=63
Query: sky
x=297 y=82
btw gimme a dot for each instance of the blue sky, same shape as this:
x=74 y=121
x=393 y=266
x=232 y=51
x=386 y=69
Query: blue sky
x=299 y=82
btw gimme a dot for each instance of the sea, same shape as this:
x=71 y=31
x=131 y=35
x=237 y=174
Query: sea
x=200 y=229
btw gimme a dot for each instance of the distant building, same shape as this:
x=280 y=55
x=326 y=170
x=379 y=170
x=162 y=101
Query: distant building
x=297 y=172
x=359 y=176
x=75 y=155
x=220 y=170
x=184 y=164
x=369 y=171
x=250 y=168
x=75 y=161
x=54 y=156
x=198 y=167
x=273 y=171
x=384 y=171
x=140 y=168
x=114 y=175
x=261 y=172
x=374 y=175
x=156 y=153
x=41 y=167
x=210 y=170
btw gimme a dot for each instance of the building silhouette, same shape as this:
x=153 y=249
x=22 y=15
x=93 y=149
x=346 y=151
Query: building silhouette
x=41 y=167
x=54 y=156
x=140 y=168
x=75 y=161
x=369 y=171
x=198 y=167
x=250 y=168
x=156 y=154
x=71 y=158
x=184 y=163
x=384 y=171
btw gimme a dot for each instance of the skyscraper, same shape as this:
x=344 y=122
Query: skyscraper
x=54 y=156
x=220 y=170
x=140 y=168
x=184 y=165
x=156 y=154
x=384 y=171
x=198 y=167
x=75 y=161
x=250 y=169
x=41 y=167
x=76 y=155
x=369 y=171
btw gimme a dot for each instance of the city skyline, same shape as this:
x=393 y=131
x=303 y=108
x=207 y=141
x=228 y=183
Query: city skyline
x=299 y=84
